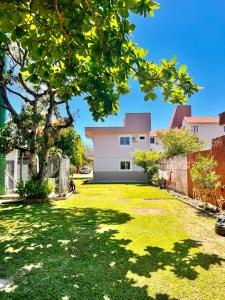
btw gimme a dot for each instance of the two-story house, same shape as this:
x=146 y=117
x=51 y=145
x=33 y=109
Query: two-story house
x=113 y=148
x=207 y=128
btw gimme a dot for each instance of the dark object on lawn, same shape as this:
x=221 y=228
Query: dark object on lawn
x=72 y=186
x=220 y=225
x=162 y=183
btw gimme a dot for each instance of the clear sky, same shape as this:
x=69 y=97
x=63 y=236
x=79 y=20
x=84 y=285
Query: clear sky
x=194 y=31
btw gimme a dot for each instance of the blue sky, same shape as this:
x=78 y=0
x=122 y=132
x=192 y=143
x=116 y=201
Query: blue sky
x=194 y=31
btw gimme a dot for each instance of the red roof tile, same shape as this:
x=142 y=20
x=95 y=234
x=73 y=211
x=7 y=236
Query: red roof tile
x=201 y=119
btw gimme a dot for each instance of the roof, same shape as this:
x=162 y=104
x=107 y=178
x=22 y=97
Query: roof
x=201 y=119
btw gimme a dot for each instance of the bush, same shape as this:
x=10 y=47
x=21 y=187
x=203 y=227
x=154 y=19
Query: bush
x=157 y=181
x=148 y=160
x=203 y=173
x=34 y=189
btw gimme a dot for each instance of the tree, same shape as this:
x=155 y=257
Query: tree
x=148 y=160
x=59 y=49
x=70 y=143
x=179 y=141
x=2 y=122
x=204 y=176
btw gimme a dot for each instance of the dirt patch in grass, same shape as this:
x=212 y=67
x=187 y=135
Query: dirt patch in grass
x=149 y=211
x=154 y=200
x=123 y=200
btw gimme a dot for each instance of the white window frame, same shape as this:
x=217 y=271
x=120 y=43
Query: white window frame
x=139 y=137
x=125 y=170
x=129 y=136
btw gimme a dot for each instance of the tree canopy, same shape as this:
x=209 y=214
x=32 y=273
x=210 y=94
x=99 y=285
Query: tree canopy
x=58 y=50
x=84 y=47
x=70 y=143
x=179 y=141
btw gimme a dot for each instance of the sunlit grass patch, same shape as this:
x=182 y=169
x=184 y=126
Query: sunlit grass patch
x=109 y=242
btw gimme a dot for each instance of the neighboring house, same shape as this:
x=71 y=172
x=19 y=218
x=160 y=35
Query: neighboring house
x=113 y=148
x=17 y=167
x=207 y=128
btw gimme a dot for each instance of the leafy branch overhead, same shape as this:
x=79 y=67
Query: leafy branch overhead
x=84 y=48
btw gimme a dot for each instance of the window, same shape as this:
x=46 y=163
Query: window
x=125 y=140
x=142 y=137
x=223 y=128
x=152 y=140
x=194 y=128
x=125 y=165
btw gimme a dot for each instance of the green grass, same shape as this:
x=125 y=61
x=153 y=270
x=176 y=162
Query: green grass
x=109 y=242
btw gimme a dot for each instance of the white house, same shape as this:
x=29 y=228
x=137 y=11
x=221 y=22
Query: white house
x=113 y=146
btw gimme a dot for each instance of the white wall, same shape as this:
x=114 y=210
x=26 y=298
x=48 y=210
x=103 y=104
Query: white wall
x=108 y=152
x=206 y=131
x=157 y=145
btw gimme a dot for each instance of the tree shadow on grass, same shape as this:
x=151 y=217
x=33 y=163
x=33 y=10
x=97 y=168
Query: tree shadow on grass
x=54 y=253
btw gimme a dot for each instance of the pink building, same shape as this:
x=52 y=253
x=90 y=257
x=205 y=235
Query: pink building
x=113 y=148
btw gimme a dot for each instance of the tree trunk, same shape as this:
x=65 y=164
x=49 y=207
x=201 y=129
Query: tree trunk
x=43 y=163
x=33 y=163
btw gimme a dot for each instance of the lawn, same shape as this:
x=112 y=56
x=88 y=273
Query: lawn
x=111 y=241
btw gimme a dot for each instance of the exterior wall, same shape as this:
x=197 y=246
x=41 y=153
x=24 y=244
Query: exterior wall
x=179 y=113
x=120 y=176
x=174 y=171
x=206 y=131
x=157 y=145
x=15 y=171
x=108 y=153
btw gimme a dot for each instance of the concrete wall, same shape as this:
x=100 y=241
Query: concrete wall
x=174 y=171
x=120 y=176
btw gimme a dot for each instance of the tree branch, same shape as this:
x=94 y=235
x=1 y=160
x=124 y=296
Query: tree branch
x=27 y=89
x=69 y=120
x=95 y=21
x=6 y=100
x=21 y=96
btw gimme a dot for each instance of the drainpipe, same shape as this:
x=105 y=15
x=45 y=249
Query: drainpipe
x=2 y=122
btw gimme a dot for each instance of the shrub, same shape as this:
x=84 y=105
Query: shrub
x=158 y=181
x=203 y=173
x=204 y=177
x=148 y=160
x=179 y=141
x=34 y=189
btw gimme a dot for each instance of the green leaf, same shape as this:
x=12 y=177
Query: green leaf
x=124 y=13
x=151 y=96
x=182 y=69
